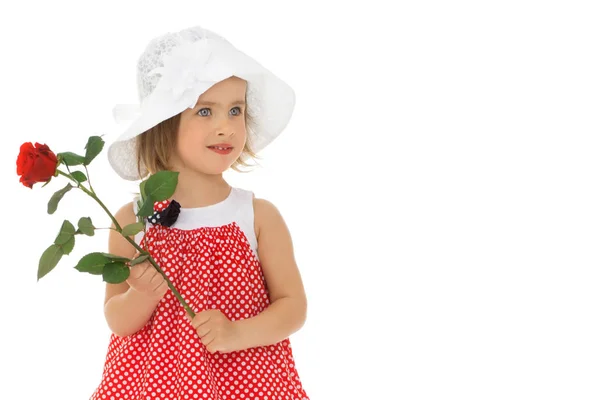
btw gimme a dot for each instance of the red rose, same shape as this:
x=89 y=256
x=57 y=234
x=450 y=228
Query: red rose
x=36 y=164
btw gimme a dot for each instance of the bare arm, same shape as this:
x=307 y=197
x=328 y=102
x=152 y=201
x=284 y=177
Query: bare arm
x=287 y=312
x=126 y=309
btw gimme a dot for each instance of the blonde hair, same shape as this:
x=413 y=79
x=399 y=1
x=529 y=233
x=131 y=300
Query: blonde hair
x=155 y=146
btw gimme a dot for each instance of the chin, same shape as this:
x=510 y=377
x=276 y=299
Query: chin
x=213 y=170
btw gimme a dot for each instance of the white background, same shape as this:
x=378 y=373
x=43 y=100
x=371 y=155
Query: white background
x=439 y=177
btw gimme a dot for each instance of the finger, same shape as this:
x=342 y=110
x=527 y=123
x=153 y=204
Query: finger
x=138 y=270
x=150 y=274
x=213 y=347
x=197 y=323
x=160 y=286
x=155 y=279
x=140 y=266
x=208 y=339
x=202 y=318
x=203 y=331
x=204 y=324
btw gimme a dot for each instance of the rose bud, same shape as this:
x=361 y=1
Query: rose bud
x=36 y=164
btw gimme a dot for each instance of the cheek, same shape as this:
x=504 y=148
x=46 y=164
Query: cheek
x=187 y=146
x=241 y=127
x=191 y=135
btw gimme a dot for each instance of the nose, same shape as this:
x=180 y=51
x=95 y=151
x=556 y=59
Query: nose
x=224 y=127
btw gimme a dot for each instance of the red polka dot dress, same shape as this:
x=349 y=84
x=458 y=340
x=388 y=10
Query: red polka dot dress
x=210 y=255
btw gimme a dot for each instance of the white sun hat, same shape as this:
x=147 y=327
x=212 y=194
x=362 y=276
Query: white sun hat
x=174 y=70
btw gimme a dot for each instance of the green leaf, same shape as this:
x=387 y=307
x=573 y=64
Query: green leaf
x=93 y=147
x=71 y=159
x=132 y=229
x=79 y=176
x=93 y=263
x=112 y=257
x=161 y=185
x=94 y=270
x=139 y=260
x=67 y=248
x=143 y=190
x=56 y=197
x=49 y=260
x=67 y=230
x=147 y=209
x=115 y=272
x=85 y=226
x=139 y=206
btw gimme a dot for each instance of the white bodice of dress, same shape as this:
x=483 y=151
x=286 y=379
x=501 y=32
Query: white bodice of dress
x=237 y=207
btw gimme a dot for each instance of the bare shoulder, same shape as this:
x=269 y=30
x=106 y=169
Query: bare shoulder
x=266 y=216
x=125 y=214
x=119 y=246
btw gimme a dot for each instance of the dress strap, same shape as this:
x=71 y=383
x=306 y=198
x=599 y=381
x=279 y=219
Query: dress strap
x=245 y=215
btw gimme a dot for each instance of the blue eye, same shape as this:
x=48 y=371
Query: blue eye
x=204 y=112
x=237 y=109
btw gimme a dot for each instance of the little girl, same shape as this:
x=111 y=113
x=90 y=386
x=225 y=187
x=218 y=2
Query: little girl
x=205 y=107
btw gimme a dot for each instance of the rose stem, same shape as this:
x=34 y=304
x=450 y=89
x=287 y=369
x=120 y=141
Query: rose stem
x=150 y=259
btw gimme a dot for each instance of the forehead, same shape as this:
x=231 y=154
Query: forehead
x=228 y=91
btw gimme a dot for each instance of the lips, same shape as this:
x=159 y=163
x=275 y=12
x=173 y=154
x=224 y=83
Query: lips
x=222 y=146
x=222 y=149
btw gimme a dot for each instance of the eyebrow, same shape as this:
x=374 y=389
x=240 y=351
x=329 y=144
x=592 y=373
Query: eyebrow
x=212 y=103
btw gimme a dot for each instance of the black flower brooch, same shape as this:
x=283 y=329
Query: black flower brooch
x=165 y=213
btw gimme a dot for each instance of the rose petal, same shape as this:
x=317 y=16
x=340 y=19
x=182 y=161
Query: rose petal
x=25 y=159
